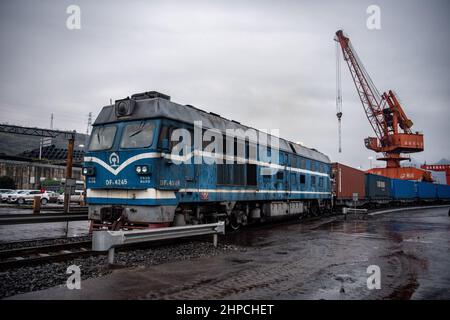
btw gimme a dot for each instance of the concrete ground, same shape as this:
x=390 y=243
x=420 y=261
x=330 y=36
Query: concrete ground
x=321 y=259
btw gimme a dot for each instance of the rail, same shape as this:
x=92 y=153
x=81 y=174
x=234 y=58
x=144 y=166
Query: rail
x=10 y=219
x=105 y=240
x=28 y=256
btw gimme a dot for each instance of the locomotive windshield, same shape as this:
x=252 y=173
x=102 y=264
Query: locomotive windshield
x=102 y=138
x=137 y=135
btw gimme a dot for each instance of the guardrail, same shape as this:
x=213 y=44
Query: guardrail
x=105 y=240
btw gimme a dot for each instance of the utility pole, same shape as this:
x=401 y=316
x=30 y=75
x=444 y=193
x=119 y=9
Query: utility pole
x=338 y=95
x=69 y=163
x=88 y=130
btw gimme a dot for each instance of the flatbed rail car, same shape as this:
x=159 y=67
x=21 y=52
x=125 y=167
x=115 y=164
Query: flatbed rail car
x=133 y=181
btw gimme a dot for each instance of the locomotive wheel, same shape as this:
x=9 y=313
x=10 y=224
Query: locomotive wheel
x=234 y=224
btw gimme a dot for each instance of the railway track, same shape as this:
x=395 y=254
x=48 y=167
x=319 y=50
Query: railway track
x=35 y=255
x=28 y=256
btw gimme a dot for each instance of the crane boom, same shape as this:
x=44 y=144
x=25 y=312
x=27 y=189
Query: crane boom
x=386 y=116
x=368 y=94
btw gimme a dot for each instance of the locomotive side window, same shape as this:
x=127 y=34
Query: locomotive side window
x=137 y=135
x=280 y=175
x=302 y=179
x=102 y=138
x=251 y=174
x=164 y=134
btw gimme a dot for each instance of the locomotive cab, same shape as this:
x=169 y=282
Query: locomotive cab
x=121 y=169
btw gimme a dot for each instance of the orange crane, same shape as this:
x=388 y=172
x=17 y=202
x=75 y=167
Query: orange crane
x=394 y=137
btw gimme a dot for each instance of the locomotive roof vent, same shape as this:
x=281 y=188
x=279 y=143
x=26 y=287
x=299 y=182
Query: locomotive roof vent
x=149 y=95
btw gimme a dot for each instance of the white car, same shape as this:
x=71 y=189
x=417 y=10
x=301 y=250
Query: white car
x=77 y=197
x=12 y=196
x=4 y=194
x=53 y=196
x=28 y=196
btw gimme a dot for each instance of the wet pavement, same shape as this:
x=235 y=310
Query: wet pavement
x=315 y=259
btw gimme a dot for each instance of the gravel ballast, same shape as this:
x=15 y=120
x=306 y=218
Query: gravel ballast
x=33 y=278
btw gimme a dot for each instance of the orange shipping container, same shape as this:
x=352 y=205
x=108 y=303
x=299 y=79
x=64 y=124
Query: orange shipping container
x=348 y=180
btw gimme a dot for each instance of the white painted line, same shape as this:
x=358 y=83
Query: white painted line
x=151 y=155
x=417 y=241
x=407 y=209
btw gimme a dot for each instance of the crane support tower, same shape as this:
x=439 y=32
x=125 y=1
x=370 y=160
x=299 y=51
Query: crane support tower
x=394 y=137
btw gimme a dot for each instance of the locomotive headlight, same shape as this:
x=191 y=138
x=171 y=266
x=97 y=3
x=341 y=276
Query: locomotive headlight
x=124 y=107
x=88 y=171
x=143 y=169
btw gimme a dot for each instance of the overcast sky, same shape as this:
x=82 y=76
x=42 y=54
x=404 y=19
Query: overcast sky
x=267 y=64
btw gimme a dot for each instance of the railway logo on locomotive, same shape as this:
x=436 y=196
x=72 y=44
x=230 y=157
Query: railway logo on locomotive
x=114 y=160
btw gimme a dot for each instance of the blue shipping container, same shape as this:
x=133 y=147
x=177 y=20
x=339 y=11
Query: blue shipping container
x=443 y=191
x=403 y=189
x=426 y=190
x=378 y=187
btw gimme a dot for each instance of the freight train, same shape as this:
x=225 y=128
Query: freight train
x=353 y=187
x=135 y=179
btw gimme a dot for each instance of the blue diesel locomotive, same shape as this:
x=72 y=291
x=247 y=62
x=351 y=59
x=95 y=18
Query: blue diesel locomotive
x=133 y=180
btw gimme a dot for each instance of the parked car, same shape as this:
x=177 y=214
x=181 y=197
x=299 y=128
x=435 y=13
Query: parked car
x=28 y=196
x=53 y=196
x=12 y=197
x=4 y=194
x=77 y=197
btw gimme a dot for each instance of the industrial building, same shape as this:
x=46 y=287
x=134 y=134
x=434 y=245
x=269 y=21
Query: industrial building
x=30 y=160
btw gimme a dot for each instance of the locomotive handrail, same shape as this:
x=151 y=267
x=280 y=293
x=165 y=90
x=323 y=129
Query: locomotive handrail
x=105 y=240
